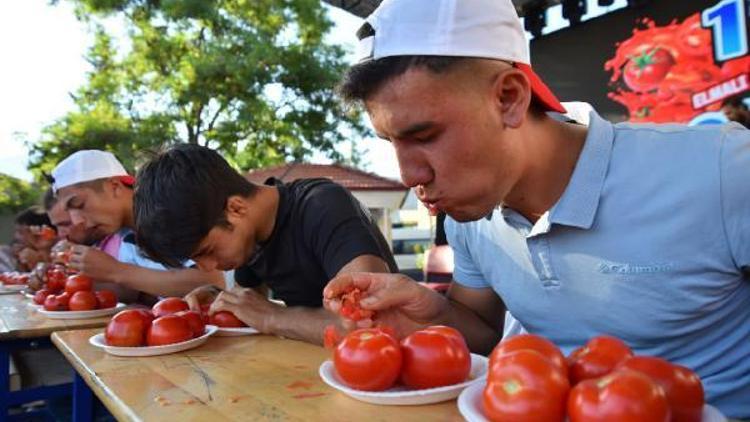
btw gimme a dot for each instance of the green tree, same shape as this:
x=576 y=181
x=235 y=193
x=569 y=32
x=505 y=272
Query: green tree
x=251 y=78
x=16 y=194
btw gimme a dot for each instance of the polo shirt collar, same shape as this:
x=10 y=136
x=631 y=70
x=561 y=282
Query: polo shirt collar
x=578 y=205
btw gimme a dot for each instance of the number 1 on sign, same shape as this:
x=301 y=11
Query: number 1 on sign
x=728 y=25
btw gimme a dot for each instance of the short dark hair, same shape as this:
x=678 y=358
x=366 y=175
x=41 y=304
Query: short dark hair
x=180 y=195
x=33 y=216
x=737 y=100
x=363 y=79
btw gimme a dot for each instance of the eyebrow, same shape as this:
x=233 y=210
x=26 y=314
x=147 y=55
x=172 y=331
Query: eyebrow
x=68 y=201
x=411 y=130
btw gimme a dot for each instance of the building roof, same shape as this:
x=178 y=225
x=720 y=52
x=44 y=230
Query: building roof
x=349 y=177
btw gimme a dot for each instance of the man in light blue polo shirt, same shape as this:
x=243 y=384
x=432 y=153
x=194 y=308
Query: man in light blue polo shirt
x=641 y=232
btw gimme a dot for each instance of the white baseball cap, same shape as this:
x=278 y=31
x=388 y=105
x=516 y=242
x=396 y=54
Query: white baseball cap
x=88 y=165
x=487 y=29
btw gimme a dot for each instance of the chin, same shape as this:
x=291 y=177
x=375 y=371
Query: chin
x=468 y=215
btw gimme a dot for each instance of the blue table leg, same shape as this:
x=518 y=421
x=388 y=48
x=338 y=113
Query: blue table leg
x=4 y=381
x=83 y=400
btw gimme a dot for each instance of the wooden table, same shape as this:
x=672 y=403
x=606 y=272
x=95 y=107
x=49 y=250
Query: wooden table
x=228 y=378
x=22 y=327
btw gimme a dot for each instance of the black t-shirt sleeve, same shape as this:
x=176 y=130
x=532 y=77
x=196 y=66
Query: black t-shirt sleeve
x=338 y=229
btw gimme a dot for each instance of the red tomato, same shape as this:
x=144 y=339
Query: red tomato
x=146 y=315
x=532 y=342
x=204 y=313
x=350 y=307
x=52 y=303
x=331 y=337
x=56 y=279
x=168 y=329
x=681 y=385
x=225 y=319
x=368 y=359
x=195 y=322
x=622 y=396
x=64 y=298
x=48 y=233
x=434 y=357
x=597 y=358
x=170 y=305
x=78 y=283
x=525 y=386
x=645 y=71
x=105 y=299
x=127 y=329
x=82 y=301
x=40 y=296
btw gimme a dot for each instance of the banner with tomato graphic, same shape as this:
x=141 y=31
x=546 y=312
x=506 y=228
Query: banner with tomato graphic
x=665 y=61
x=672 y=73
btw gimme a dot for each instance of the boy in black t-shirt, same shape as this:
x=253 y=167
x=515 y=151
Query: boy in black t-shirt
x=291 y=238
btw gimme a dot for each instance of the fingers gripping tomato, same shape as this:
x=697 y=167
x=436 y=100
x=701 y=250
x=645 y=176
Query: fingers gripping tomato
x=350 y=307
x=368 y=359
x=226 y=319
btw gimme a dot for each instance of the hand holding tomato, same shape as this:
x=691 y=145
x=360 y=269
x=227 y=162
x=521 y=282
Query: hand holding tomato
x=94 y=263
x=399 y=302
x=249 y=306
x=225 y=319
x=201 y=296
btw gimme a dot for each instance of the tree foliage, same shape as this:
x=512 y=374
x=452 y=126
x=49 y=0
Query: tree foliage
x=16 y=194
x=251 y=78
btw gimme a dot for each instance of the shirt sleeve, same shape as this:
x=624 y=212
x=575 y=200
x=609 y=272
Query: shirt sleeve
x=465 y=271
x=337 y=228
x=130 y=254
x=735 y=193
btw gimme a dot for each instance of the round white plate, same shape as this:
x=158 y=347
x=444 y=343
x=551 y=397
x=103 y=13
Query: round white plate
x=232 y=332
x=402 y=396
x=99 y=341
x=95 y=313
x=27 y=295
x=470 y=406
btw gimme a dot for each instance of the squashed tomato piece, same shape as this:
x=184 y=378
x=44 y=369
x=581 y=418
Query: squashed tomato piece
x=350 y=307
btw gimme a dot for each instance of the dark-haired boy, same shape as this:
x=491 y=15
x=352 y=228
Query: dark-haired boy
x=96 y=192
x=290 y=237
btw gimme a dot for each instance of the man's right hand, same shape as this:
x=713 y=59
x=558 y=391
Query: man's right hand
x=398 y=301
x=202 y=295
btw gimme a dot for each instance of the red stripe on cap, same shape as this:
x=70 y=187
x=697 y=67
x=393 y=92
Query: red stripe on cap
x=127 y=180
x=542 y=93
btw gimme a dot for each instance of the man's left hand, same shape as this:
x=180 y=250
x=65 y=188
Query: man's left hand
x=249 y=306
x=94 y=263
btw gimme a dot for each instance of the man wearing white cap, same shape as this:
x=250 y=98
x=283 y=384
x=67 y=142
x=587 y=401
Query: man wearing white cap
x=97 y=192
x=577 y=231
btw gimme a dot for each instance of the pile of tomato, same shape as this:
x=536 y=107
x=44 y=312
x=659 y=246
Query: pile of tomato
x=14 y=278
x=530 y=379
x=169 y=321
x=72 y=293
x=371 y=359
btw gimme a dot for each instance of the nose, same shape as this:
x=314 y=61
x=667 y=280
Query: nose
x=415 y=169
x=206 y=264
x=76 y=218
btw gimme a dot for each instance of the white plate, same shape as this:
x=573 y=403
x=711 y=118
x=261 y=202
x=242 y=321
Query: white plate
x=470 y=406
x=402 y=396
x=95 y=313
x=99 y=341
x=232 y=332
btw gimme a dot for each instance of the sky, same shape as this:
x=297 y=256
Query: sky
x=43 y=49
